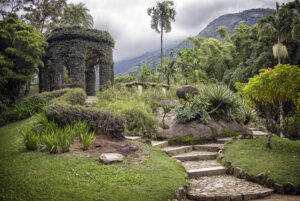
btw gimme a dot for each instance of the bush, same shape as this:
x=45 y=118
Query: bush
x=139 y=121
x=27 y=107
x=64 y=138
x=86 y=139
x=50 y=142
x=104 y=123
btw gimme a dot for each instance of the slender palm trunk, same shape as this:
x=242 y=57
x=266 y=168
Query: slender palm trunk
x=161 y=48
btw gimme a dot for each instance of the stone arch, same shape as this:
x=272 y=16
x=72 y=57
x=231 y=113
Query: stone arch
x=80 y=50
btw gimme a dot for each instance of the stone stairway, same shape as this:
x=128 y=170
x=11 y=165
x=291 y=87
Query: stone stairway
x=207 y=178
x=257 y=133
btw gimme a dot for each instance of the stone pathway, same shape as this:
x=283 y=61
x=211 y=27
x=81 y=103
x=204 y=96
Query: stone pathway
x=257 y=133
x=207 y=178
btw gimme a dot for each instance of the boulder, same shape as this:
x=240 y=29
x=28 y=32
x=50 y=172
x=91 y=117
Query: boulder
x=108 y=158
x=186 y=89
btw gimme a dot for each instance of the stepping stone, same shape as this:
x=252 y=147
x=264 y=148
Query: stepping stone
x=259 y=134
x=160 y=144
x=223 y=140
x=133 y=138
x=191 y=165
x=208 y=147
x=196 y=155
x=225 y=188
x=172 y=151
x=206 y=171
x=108 y=158
x=253 y=129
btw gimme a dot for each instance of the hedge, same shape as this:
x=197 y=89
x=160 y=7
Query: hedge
x=68 y=109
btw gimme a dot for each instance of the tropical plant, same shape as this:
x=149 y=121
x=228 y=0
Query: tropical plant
x=161 y=14
x=276 y=25
x=271 y=89
x=65 y=138
x=81 y=128
x=31 y=139
x=50 y=142
x=86 y=139
x=77 y=14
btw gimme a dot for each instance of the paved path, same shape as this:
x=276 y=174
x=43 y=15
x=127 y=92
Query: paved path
x=207 y=178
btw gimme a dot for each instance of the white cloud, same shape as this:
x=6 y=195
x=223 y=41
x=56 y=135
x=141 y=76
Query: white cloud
x=129 y=24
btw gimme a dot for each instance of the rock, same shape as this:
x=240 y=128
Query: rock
x=108 y=158
x=290 y=189
x=269 y=182
x=261 y=178
x=237 y=171
x=180 y=194
x=278 y=188
x=172 y=103
x=186 y=89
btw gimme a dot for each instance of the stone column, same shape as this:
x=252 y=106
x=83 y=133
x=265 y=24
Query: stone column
x=90 y=81
x=56 y=72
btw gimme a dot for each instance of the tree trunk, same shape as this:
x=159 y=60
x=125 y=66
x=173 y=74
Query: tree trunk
x=27 y=89
x=168 y=79
x=161 y=48
x=279 y=60
x=269 y=141
x=280 y=119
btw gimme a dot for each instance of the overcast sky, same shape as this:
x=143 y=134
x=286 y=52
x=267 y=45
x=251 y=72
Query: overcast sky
x=127 y=21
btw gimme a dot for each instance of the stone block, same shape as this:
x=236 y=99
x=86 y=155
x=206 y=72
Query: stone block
x=108 y=158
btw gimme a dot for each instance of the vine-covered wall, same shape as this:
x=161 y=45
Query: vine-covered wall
x=79 y=50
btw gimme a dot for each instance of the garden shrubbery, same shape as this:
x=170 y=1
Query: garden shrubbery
x=47 y=135
x=67 y=110
x=27 y=107
x=214 y=100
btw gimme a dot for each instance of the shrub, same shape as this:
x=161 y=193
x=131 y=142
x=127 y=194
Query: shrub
x=105 y=123
x=194 y=107
x=31 y=139
x=81 y=128
x=139 y=121
x=27 y=107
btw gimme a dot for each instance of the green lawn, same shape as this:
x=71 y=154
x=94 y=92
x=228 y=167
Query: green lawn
x=281 y=163
x=28 y=175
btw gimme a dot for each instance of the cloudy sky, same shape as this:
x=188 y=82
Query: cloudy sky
x=128 y=22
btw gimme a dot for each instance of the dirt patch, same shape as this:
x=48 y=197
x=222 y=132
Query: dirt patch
x=278 y=197
x=104 y=144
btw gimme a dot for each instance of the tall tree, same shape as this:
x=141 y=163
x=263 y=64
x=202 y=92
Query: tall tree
x=21 y=49
x=43 y=14
x=276 y=25
x=9 y=7
x=77 y=14
x=161 y=16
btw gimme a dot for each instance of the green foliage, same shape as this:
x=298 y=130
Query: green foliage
x=86 y=139
x=81 y=128
x=31 y=139
x=77 y=14
x=139 y=121
x=121 y=79
x=50 y=141
x=65 y=138
x=195 y=106
x=290 y=127
x=189 y=140
x=29 y=106
x=20 y=53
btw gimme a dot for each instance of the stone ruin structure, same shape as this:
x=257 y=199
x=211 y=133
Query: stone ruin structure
x=76 y=51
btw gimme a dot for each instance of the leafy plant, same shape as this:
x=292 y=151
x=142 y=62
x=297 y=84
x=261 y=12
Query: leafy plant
x=86 y=139
x=50 y=141
x=31 y=139
x=64 y=137
x=81 y=128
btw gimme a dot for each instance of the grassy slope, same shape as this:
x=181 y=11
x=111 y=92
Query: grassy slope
x=26 y=175
x=281 y=163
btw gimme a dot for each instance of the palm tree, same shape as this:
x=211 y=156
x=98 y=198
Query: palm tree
x=161 y=14
x=275 y=26
x=77 y=14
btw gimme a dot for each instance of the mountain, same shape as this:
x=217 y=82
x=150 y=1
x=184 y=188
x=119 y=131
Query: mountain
x=151 y=59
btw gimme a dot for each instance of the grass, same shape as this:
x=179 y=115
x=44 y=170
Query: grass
x=281 y=163
x=30 y=175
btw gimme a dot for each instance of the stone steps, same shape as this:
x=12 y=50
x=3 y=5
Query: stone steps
x=223 y=140
x=160 y=144
x=172 y=151
x=196 y=155
x=133 y=138
x=206 y=171
x=225 y=188
x=208 y=147
x=259 y=134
